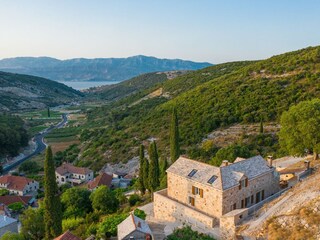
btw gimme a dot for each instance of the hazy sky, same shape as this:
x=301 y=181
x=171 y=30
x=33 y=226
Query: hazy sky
x=199 y=30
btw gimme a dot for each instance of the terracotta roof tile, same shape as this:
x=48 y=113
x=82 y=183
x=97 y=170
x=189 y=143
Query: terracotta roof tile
x=9 y=199
x=69 y=168
x=15 y=182
x=102 y=179
x=67 y=236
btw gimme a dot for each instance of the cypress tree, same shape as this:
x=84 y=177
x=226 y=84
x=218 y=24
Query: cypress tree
x=154 y=172
x=48 y=112
x=163 y=167
x=52 y=204
x=141 y=173
x=146 y=174
x=261 y=126
x=174 y=137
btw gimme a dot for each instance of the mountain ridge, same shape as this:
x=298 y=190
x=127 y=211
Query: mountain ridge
x=96 y=69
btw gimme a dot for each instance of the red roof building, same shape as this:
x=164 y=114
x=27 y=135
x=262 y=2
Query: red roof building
x=67 y=236
x=102 y=179
x=18 y=185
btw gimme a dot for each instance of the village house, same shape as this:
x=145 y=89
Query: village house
x=134 y=228
x=19 y=185
x=26 y=201
x=198 y=192
x=102 y=179
x=67 y=236
x=8 y=224
x=67 y=173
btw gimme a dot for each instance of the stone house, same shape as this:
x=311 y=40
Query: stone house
x=102 y=179
x=134 y=228
x=19 y=185
x=198 y=192
x=67 y=173
x=8 y=224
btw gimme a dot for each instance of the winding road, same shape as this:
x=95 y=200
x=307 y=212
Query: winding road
x=41 y=146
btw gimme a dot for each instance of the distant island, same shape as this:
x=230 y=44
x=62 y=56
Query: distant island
x=98 y=69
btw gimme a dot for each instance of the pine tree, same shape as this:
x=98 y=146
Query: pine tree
x=261 y=126
x=142 y=187
x=52 y=204
x=174 y=137
x=154 y=172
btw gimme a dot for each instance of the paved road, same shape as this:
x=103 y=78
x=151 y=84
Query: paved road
x=41 y=146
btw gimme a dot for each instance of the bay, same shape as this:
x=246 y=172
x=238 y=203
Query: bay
x=80 y=85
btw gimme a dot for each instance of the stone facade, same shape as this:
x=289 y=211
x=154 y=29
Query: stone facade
x=204 y=193
x=168 y=209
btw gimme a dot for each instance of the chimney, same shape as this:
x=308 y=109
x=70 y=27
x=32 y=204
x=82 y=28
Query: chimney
x=307 y=164
x=270 y=160
x=225 y=163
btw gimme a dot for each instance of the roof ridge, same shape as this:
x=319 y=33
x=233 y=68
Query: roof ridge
x=206 y=164
x=233 y=163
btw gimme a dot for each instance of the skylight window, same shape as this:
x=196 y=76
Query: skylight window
x=193 y=172
x=212 y=179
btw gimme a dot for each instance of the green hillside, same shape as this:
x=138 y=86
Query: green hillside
x=21 y=92
x=205 y=100
x=125 y=88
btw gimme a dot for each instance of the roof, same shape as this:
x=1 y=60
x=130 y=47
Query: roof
x=67 y=236
x=69 y=168
x=4 y=221
x=15 y=182
x=131 y=224
x=225 y=177
x=9 y=199
x=102 y=179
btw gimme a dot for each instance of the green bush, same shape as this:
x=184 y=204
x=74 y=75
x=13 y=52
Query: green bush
x=109 y=225
x=133 y=199
x=186 y=233
x=140 y=214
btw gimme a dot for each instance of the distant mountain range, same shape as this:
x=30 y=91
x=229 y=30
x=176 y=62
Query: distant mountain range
x=99 y=69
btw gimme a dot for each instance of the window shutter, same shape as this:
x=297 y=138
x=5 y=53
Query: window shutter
x=193 y=190
x=201 y=193
x=240 y=185
x=246 y=182
x=192 y=201
x=262 y=194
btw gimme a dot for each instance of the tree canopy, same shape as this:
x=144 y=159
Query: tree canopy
x=103 y=199
x=300 y=128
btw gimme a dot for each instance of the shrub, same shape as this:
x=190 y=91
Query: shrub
x=140 y=213
x=133 y=199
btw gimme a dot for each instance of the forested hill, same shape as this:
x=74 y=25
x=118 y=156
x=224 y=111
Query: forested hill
x=99 y=69
x=19 y=92
x=206 y=99
x=133 y=85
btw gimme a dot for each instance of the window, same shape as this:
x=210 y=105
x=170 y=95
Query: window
x=234 y=206
x=193 y=172
x=252 y=199
x=201 y=193
x=197 y=191
x=191 y=201
x=212 y=179
x=258 y=195
x=246 y=202
x=242 y=203
x=243 y=183
x=262 y=195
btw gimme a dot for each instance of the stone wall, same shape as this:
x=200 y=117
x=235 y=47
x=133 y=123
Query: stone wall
x=180 y=189
x=167 y=209
x=229 y=222
x=267 y=182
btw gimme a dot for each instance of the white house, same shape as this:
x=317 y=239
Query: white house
x=19 y=185
x=67 y=173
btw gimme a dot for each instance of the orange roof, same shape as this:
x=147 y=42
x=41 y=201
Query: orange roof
x=15 y=182
x=69 y=168
x=67 y=236
x=102 y=179
x=7 y=200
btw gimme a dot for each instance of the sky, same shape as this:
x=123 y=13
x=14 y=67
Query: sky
x=198 y=30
